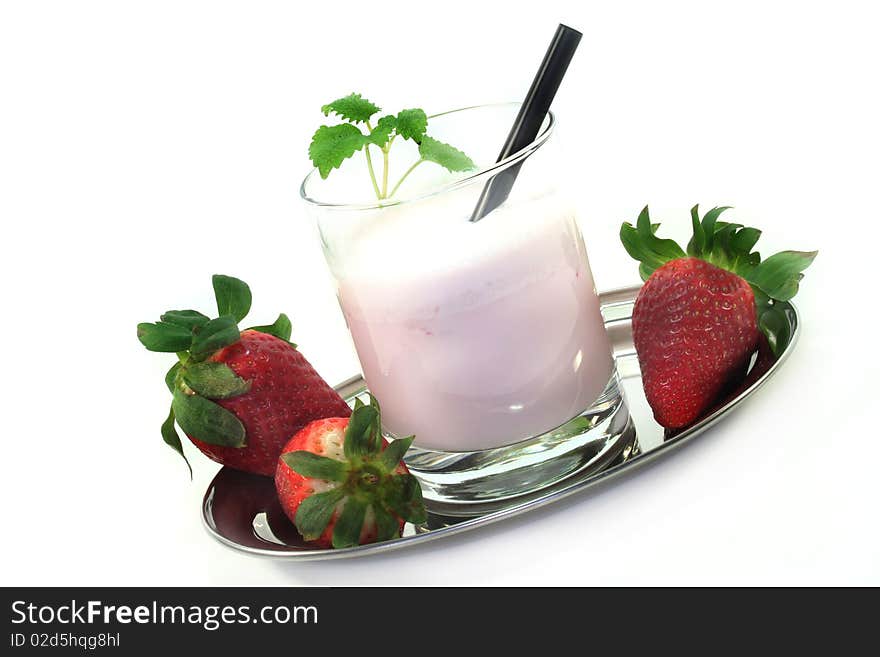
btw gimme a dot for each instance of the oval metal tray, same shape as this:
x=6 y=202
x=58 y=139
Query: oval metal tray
x=242 y=511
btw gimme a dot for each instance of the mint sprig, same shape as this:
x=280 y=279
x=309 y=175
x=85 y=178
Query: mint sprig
x=332 y=145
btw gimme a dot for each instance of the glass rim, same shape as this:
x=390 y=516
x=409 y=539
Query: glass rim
x=482 y=174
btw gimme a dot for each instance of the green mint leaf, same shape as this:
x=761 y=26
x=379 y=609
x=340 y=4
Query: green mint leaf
x=315 y=512
x=387 y=525
x=215 y=380
x=347 y=532
x=353 y=107
x=382 y=132
x=169 y=435
x=282 y=328
x=412 y=123
x=214 y=335
x=164 y=337
x=188 y=319
x=395 y=451
x=446 y=156
x=332 y=145
x=233 y=296
x=206 y=421
x=315 y=467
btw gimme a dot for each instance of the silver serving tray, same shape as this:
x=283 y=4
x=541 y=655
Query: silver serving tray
x=242 y=511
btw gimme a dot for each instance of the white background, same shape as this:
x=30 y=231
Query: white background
x=145 y=146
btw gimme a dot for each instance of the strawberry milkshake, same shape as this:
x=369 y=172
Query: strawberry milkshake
x=475 y=335
x=482 y=338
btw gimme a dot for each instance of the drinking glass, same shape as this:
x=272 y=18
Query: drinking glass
x=483 y=339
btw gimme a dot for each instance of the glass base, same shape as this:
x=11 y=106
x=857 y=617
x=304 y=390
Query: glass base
x=453 y=481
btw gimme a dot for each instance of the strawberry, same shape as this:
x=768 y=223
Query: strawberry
x=701 y=314
x=342 y=484
x=238 y=395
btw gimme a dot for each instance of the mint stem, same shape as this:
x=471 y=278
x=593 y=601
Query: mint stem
x=372 y=173
x=385 y=173
x=403 y=177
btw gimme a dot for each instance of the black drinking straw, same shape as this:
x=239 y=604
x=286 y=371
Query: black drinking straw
x=531 y=116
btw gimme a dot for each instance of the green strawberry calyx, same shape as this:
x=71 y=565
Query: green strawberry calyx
x=194 y=381
x=728 y=246
x=366 y=479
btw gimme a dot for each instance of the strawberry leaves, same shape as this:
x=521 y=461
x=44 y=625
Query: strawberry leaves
x=188 y=319
x=347 y=531
x=315 y=512
x=233 y=296
x=164 y=337
x=779 y=275
x=169 y=435
x=367 y=481
x=171 y=377
x=214 y=380
x=205 y=420
x=728 y=246
x=316 y=466
x=214 y=335
x=363 y=432
x=404 y=498
x=744 y=240
x=387 y=526
x=643 y=245
x=281 y=328
x=702 y=242
x=396 y=450
x=194 y=381
x=773 y=323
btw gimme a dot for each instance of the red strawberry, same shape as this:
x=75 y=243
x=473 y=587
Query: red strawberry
x=285 y=394
x=238 y=395
x=764 y=359
x=342 y=484
x=687 y=356
x=699 y=317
